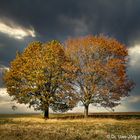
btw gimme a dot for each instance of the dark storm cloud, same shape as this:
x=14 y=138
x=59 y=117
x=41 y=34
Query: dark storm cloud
x=60 y=19
x=9 y=46
x=1 y=81
x=135 y=75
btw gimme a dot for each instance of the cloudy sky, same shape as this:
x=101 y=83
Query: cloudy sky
x=23 y=21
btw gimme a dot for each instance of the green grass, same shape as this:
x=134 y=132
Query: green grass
x=34 y=127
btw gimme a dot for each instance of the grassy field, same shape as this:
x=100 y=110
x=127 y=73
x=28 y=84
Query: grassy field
x=62 y=127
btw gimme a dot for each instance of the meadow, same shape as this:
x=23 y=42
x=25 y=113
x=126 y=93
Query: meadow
x=69 y=127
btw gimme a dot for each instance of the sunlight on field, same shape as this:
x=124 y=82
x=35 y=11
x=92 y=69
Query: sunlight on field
x=36 y=128
x=88 y=120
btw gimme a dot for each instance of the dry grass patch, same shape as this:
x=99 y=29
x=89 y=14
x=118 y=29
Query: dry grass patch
x=36 y=128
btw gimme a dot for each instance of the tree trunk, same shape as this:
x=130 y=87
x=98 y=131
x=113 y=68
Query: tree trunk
x=46 y=113
x=86 y=111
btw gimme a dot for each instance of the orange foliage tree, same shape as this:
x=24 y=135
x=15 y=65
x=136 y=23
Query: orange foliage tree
x=38 y=77
x=101 y=78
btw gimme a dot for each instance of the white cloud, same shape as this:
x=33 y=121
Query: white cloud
x=3 y=68
x=15 y=31
x=6 y=104
x=134 y=53
x=129 y=104
x=134 y=99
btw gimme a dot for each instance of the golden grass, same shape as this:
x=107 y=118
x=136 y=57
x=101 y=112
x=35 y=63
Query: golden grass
x=36 y=128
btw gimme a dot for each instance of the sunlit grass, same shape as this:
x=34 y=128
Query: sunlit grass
x=34 y=127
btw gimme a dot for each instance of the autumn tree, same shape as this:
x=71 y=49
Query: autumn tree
x=38 y=77
x=101 y=78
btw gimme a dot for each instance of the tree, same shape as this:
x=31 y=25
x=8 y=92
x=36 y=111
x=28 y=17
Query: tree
x=101 y=78
x=38 y=77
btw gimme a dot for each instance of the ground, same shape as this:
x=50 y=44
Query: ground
x=34 y=127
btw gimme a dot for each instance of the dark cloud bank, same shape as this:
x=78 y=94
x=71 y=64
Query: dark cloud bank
x=61 y=19
x=53 y=19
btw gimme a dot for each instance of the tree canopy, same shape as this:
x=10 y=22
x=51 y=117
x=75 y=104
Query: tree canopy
x=39 y=77
x=101 y=78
